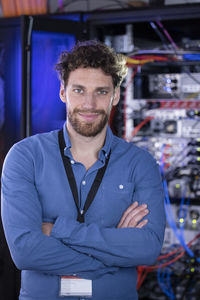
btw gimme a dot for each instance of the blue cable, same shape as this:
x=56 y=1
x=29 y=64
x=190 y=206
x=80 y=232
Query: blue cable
x=169 y=214
x=189 y=251
x=172 y=222
x=166 y=290
x=169 y=272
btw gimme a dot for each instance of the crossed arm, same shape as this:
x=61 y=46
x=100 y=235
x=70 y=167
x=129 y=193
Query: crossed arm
x=131 y=218
x=122 y=246
x=126 y=244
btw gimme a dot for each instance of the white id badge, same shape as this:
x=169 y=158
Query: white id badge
x=75 y=286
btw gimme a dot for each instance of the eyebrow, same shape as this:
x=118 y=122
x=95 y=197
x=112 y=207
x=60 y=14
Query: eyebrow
x=78 y=86
x=103 y=88
x=97 y=88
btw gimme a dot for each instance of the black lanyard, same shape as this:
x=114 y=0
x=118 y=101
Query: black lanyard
x=72 y=181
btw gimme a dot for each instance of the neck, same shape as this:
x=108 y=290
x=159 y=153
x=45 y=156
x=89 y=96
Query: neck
x=86 y=149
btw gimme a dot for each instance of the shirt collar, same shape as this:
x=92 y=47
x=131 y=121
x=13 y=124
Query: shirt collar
x=103 y=153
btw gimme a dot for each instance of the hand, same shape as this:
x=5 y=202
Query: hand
x=133 y=215
x=47 y=228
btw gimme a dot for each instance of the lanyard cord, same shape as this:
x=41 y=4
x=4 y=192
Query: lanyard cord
x=72 y=182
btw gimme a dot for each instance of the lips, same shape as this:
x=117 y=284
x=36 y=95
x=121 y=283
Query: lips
x=88 y=116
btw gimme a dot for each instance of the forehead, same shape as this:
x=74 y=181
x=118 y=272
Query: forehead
x=90 y=77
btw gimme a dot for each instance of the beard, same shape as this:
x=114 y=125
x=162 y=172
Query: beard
x=88 y=129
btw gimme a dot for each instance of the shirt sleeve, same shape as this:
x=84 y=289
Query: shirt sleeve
x=22 y=222
x=123 y=247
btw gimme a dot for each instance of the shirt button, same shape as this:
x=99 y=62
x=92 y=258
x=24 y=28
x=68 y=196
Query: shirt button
x=121 y=186
x=72 y=161
x=84 y=182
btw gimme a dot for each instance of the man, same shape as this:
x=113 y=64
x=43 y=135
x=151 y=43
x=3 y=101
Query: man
x=74 y=203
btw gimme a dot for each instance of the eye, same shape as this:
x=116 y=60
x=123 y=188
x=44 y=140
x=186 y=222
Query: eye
x=78 y=91
x=102 y=92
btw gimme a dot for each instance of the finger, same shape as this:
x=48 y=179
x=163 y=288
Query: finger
x=127 y=211
x=141 y=224
x=44 y=228
x=47 y=228
x=135 y=216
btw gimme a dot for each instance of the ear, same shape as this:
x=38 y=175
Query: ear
x=116 y=96
x=62 y=93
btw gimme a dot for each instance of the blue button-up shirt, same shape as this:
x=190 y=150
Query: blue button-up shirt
x=35 y=189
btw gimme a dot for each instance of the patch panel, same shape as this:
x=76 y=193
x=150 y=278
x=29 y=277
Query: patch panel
x=186 y=219
x=170 y=84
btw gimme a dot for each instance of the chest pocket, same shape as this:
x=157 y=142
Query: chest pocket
x=116 y=198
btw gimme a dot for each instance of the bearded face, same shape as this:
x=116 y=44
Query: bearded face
x=89 y=96
x=99 y=119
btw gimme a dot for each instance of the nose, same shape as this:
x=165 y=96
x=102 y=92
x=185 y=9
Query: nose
x=89 y=101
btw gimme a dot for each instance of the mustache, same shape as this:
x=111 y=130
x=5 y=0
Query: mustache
x=92 y=111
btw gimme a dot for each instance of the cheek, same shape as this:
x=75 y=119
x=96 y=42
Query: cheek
x=70 y=103
x=74 y=100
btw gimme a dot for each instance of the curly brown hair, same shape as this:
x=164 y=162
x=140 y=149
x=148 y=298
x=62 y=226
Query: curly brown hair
x=92 y=54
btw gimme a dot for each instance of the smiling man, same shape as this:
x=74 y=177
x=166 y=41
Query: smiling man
x=89 y=103
x=92 y=104
x=82 y=208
